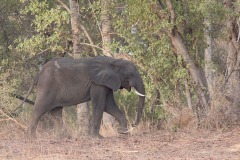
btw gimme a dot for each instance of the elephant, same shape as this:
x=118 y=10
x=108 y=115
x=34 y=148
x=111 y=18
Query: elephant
x=66 y=82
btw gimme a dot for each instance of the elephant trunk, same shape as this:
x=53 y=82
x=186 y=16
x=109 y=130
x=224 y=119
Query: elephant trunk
x=139 y=86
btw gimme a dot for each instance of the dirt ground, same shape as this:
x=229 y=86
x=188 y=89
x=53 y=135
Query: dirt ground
x=159 y=145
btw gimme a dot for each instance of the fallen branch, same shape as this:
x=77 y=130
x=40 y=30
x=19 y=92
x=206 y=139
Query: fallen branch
x=22 y=98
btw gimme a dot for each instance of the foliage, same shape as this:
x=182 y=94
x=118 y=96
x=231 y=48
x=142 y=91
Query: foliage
x=50 y=28
x=140 y=30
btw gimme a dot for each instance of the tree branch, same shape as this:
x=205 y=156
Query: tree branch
x=64 y=6
x=38 y=55
x=22 y=98
x=82 y=27
x=89 y=39
x=92 y=45
x=171 y=10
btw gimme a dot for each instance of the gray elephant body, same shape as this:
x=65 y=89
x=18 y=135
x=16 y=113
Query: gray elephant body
x=67 y=82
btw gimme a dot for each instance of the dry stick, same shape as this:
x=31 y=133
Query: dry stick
x=3 y=120
x=92 y=45
x=36 y=55
x=12 y=119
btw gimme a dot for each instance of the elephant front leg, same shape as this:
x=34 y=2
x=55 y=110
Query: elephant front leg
x=112 y=109
x=98 y=96
x=95 y=123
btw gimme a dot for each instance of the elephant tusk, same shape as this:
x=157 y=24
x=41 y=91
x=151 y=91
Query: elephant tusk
x=139 y=93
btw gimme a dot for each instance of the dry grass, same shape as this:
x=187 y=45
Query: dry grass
x=222 y=113
x=179 y=139
x=179 y=119
x=142 y=145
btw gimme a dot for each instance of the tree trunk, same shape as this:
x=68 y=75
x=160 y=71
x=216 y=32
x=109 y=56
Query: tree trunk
x=83 y=112
x=181 y=49
x=208 y=60
x=188 y=94
x=106 y=27
x=178 y=44
x=178 y=94
x=233 y=58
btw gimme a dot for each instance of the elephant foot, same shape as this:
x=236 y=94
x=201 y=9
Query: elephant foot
x=123 y=130
x=63 y=135
x=96 y=135
x=30 y=136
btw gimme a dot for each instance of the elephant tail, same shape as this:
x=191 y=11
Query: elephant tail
x=34 y=82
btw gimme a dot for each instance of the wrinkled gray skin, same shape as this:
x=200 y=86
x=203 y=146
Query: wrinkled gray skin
x=67 y=82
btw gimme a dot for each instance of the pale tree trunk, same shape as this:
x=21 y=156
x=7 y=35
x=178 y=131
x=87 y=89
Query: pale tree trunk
x=181 y=49
x=208 y=59
x=82 y=27
x=233 y=58
x=83 y=112
x=188 y=94
x=179 y=45
x=106 y=41
x=106 y=27
x=178 y=94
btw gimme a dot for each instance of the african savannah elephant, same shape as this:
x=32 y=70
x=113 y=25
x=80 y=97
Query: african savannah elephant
x=67 y=82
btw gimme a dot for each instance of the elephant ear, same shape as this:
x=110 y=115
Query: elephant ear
x=102 y=72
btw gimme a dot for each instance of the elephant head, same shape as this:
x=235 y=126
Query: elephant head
x=118 y=74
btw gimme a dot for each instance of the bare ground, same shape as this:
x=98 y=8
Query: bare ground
x=159 y=145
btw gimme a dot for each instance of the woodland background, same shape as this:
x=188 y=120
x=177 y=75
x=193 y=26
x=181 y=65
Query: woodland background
x=187 y=52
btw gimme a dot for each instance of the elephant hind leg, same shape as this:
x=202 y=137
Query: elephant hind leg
x=31 y=130
x=56 y=113
x=38 y=110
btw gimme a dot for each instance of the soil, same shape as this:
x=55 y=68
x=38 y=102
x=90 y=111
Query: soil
x=151 y=145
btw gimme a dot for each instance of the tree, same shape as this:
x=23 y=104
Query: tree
x=83 y=112
x=208 y=54
x=179 y=45
x=183 y=49
x=233 y=56
x=105 y=19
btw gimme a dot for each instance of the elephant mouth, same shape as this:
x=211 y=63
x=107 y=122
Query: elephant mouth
x=127 y=88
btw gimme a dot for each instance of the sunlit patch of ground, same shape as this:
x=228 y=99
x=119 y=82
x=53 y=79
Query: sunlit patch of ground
x=159 y=145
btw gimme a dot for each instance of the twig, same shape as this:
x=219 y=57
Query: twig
x=38 y=54
x=2 y=120
x=92 y=45
x=22 y=98
x=64 y=6
x=12 y=119
x=89 y=38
